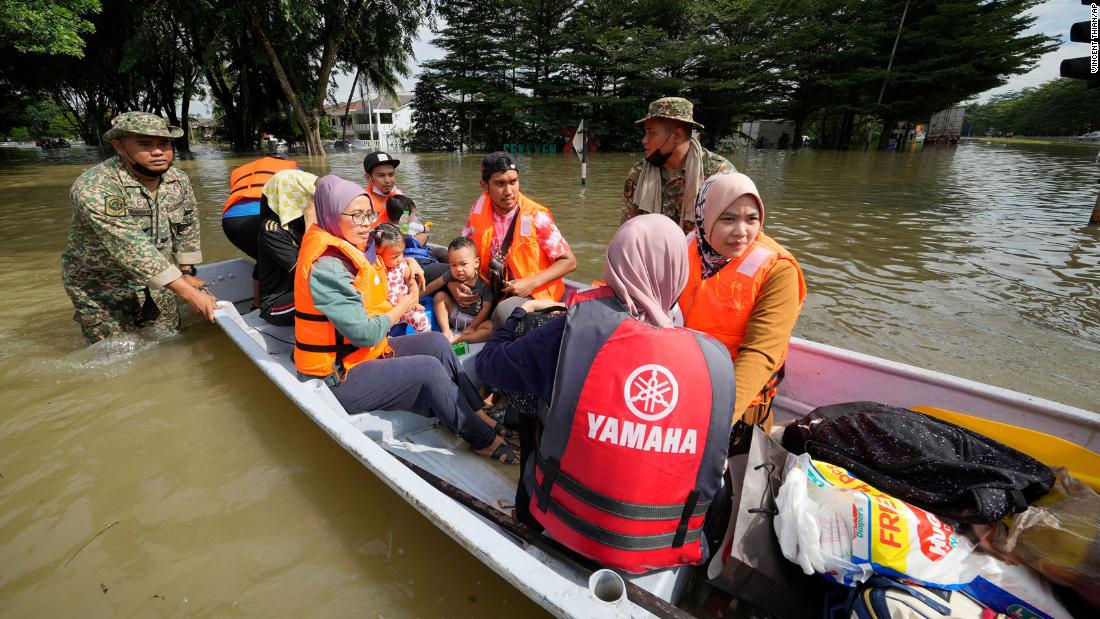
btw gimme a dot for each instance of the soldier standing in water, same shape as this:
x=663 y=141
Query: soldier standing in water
x=134 y=238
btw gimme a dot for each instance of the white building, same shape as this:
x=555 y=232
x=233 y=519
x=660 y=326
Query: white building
x=374 y=120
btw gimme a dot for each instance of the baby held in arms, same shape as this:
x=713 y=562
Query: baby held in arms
x=470 y=322
x=391 y=247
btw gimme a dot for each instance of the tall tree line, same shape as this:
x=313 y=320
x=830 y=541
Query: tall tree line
x=264 y=64
x=523 y=72
x=1060 y=107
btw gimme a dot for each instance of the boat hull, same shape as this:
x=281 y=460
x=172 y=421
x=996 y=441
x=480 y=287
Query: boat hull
x=817 y=374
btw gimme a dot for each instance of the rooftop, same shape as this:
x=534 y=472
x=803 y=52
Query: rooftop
x=381 y=102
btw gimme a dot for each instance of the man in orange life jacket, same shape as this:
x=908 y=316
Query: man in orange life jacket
x=522 y=252
x=380 y=171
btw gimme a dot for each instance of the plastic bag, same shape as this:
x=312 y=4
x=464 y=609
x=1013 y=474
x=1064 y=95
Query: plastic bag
x=832 y=523
x=748 y=564
x=1059 y=536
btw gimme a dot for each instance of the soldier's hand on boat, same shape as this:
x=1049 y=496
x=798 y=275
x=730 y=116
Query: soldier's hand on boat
x=522 y=287
x=462 y=294
x=194 y=281
x=200 y=300
x=197 y=296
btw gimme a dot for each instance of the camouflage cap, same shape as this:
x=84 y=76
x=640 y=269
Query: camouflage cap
x=673 y=108
x=140 y=123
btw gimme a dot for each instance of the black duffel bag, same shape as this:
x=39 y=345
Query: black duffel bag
x=950 y=471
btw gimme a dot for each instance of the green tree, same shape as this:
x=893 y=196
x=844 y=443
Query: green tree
x=1059 y=107
x=305 y=40
x=979 y=45
x=434 y=122
x=474 y=72
x=46 y=26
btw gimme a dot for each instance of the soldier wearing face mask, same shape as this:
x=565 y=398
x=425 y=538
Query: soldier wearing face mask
x=675 y=165
x=134 y=238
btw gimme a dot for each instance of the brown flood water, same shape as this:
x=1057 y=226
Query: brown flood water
x=973 y=261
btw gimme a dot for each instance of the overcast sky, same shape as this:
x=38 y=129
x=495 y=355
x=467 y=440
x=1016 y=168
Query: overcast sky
x=1055 y=17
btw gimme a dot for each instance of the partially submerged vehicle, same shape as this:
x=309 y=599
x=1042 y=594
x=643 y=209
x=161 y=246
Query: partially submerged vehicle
x=469 y=497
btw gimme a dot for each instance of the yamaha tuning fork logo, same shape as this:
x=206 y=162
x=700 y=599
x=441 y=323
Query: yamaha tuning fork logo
x=651 y=392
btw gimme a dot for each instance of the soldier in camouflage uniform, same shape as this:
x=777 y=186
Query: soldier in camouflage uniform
x=134 y=239
x=675 y=164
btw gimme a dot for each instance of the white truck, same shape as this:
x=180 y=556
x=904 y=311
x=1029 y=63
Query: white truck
x=945 y=126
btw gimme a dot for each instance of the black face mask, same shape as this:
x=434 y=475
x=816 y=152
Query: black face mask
x=144 y=171
x=657 y=158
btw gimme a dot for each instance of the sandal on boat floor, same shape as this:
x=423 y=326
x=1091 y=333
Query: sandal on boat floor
x=505 y=453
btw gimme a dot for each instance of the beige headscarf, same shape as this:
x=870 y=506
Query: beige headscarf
x=716 y=194
x=288 y=193
x=647 y=193
x=647 y=267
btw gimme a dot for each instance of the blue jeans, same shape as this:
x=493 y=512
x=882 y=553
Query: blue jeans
x=423 y=377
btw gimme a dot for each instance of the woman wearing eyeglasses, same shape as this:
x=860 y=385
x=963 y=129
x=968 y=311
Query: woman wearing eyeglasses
x=343 y=318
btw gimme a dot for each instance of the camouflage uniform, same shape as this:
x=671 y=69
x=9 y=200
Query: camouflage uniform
x=672 y=191
x=125 y=242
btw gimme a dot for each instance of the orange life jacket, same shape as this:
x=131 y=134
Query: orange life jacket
x=525 y=257
x=378 y=201
x=247 y=182
x=319 y=350
x=721 y=305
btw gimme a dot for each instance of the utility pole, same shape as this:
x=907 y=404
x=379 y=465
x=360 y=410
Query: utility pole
x=889 y=65
x=370 y=114
x=347 y=109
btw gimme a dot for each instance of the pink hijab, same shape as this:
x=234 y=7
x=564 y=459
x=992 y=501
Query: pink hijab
x=716 y=194
x=647 y=267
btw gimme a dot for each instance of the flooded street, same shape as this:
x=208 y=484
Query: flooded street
x=215 y=495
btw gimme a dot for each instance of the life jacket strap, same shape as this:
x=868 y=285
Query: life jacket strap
x=342 y=347
x=318 y=347
x=622 y=541
x=310 y=317
x=625 y=509
x=243 y=187
x=550 y=469
x=255 y=172
x=682 y=528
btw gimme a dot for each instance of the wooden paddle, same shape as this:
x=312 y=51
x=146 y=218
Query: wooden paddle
x=1082 y=463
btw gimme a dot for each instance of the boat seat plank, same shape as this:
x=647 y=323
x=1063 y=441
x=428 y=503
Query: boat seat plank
x=378 y=425
x=441 y=453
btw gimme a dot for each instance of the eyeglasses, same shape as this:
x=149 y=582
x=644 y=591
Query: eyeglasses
x=362 y=218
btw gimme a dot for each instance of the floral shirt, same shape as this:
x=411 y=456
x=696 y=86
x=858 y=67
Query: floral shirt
x=551 y=242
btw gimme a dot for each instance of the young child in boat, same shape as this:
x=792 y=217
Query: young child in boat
x=402 y=211
x=471 y=322
x=390 y=244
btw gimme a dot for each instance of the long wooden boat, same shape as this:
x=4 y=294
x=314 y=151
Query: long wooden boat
x=465 y=495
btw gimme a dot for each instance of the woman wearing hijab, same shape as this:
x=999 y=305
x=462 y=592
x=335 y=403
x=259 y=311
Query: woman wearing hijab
x=342 y=319
x=744 y=289
x=626 y=395
x=286 y=210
